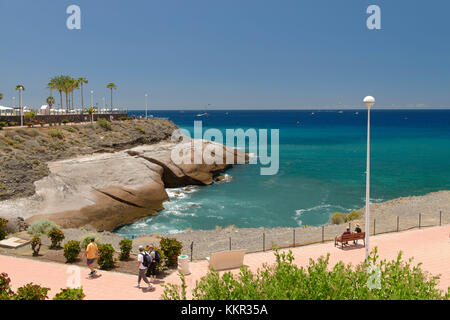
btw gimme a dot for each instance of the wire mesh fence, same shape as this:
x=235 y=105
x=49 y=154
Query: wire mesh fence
x=258 y=240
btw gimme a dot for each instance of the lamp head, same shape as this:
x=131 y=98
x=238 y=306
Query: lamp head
x=369 y=101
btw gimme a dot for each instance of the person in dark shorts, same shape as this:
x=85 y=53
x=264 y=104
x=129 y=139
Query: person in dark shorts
x=142 y=269
x=151 y=272
x=91 y=255
x=357 y=230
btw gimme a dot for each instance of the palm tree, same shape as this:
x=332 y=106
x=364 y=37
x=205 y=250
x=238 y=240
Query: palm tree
x=91 y=111
x=1 y=96
x=50 y=101
x=82 y=81
x=66 y=82
x=56 y=83
x=73 y=86
x=111 y=86
x=20 y=88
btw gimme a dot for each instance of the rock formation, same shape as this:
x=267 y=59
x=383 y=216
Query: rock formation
x=106 y=191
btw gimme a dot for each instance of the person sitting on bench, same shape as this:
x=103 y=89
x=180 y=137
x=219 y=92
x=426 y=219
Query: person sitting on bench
x=347 y=232
x=357 y=230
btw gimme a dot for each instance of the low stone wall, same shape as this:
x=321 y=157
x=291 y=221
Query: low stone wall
x=71 y=117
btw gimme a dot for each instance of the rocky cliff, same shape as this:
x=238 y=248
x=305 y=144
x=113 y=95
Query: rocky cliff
x=108 y=190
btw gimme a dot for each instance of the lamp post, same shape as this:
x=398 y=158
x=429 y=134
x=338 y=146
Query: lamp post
x=92 y=98
x=20 y=106
x=369 y=101
x=146 y=105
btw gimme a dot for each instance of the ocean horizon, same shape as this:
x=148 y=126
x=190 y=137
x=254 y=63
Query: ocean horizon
x=322 y=167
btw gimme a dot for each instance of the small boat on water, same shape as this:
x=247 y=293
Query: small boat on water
x=340 y=111
x=202 y=114
x=356 y=113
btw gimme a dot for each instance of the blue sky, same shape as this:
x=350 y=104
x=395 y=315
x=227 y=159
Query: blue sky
x=233 y=53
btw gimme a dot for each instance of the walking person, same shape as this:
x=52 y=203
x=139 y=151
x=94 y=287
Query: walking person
x=143 y=264
x=91 y=255
x=155 y=258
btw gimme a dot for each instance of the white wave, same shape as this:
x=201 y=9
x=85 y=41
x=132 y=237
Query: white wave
x=215 y=217
x=299 y=212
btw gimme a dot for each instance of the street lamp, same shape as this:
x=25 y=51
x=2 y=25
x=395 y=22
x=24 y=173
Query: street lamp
x=146 y=105
x=92 y=98
x=369 y=101
x=20 y=106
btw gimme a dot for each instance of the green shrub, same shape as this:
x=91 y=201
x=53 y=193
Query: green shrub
x=31 y=291
x=354 y=214
x=337 y=218
x=35 y=245
x=3 y=124
x=65 y=121
x=105 y=256
x=124 y=118
x=56 y=134
x=172 y=249
x=104 y=124
x=72 y=250
x=70 y=129
x=56 y=236
x=12 y=124
x=3 y=231
x=70 y=294
x=41 y=227
x=162 y=265
x=140 y=129
x=125 y=248
x=398 y=280
x=5 y=289
x=340 y=217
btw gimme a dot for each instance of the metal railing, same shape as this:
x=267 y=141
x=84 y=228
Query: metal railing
x=268 y=239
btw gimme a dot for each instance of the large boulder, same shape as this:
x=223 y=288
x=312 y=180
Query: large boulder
x=105 y=191
x=15 y=225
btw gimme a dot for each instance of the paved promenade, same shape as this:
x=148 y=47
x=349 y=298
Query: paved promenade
x=430 y=246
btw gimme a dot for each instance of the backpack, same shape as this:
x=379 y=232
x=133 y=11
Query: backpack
x=146 y=259
x=157 y=257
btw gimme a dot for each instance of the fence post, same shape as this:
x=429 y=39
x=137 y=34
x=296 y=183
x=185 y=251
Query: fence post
x=264 y=241
x=323 y=234
x=440 y=218
x=397 y=222
x=230 y=243
x=374 y=223
x=192 y=250
x=420 y=219
x=293 y=231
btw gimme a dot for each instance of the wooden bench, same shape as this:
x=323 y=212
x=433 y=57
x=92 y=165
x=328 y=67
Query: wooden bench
x=350 y=237
x=226 y=259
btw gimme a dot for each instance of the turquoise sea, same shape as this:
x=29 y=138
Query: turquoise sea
x=322 y=168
